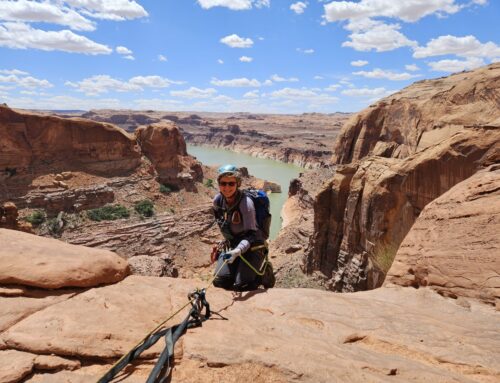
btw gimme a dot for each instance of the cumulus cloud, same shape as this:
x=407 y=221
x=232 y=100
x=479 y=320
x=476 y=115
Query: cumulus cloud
x=277 y=78
x=366 y=92
x=20 y=80
x=13 y=71
x=298 y=7
x=116 y=10
x=123 y=50
x=370 y=35
x=412 y=67
x=235 y=41
x=33 y=11
x=319 y=77
x=359 y=63
x=194 y=92
x=235 y=5
x=409 y=10
x=451 y=66
x=380 y=73
x=251 y=94
x=236 y=83
x=98 y=84
x=332 y=87
x=162 y=58
x=309 y=95
x=23 y=36
x=220 y=61
x=467 y=46
x=246 y=59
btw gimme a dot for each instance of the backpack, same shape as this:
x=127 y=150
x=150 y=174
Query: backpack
x=262 y=206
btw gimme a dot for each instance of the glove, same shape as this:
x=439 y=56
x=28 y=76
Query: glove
x=215 y=254
x=230 y=256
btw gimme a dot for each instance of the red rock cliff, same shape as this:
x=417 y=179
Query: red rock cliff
x=434 y=134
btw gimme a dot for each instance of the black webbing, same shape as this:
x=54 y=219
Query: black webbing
x=172 y=334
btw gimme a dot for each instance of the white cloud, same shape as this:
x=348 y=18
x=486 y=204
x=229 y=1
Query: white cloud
x=380 y=73
x=236 y=83
x=333 y=87
x=246 y=59
x=24 y=82
x=305 y=51
x=277 y=78
x=116 y=10
x=162 y=58
x=194 y=93
x=129 y=57
x=456 y=65
x=311 y=96
x=359 y=63
x=467 y=46
x=98 y=84
x=251 y=94
x=123 y=50
x=298 y=7
x=13 y=71
x=370 y=35
x=319 y=78
x=235 y=41
x=220 y=61
x=408 y=10
x=366 y=92
x=22 y=36
x=235 y=5
x=412 y=67
x=32 y=11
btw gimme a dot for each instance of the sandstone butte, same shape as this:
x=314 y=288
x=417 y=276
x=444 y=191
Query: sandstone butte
x=74 y=334
x=393 y=160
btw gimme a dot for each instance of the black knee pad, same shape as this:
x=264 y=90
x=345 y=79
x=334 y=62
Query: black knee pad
x=224 y=283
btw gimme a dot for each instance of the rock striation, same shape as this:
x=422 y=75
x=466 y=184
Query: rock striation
x=395 y=158
x=453 y=246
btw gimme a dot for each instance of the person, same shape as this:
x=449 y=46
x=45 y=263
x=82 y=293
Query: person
x=235 y=215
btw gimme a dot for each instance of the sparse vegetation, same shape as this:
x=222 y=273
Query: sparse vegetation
x=108 y=213
x=145 y=208
x=384 y=256
x=166 y=189
x=171 y=209
x=36 y=218
x=209 y=183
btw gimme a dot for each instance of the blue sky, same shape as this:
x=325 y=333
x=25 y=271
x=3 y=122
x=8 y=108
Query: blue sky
x=269 y=56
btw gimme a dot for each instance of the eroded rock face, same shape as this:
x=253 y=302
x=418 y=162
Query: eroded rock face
x=30 y=260
x=453 y=246
x=9 y=218
x=406 y=151
x=421 y=115
x=29 y=140
x=164 y=146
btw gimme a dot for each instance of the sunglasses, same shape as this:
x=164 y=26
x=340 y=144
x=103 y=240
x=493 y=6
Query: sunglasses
x=231 y=183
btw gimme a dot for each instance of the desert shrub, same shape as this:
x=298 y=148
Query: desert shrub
x=209 y=183
x=145 y=208
x=36 y=218
x=108 y=213
x=166 y=189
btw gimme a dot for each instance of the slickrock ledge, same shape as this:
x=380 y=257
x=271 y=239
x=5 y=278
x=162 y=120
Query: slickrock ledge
x=453 y=246
x=27 y=259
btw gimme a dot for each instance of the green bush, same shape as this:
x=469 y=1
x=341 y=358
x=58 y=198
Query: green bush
x=36 y=218
x=108 y=213
x=165 y=189
x=145 y=208
x=209 y=183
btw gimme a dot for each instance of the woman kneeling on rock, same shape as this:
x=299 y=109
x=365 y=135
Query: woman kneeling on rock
x=235 y=213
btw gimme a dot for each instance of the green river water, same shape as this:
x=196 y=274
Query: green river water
x=269 y=170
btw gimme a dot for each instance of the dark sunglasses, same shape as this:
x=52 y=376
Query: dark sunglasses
x=231 y=183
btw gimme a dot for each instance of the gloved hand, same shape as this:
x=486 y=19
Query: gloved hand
x=230 y=256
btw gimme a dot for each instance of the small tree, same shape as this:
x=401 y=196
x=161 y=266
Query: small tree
x=209 y=183
x=165 y=189
x=108 y=213
x=36 y=218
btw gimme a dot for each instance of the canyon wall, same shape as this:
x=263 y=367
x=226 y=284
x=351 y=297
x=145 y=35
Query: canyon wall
x=395 y=158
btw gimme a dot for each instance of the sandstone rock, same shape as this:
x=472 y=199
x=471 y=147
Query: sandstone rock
x=29 y=140
x=15 y=365
x=166 y=149
x=149 y=265
x=454 y=246
x=48 y=263
x=283 y=335
x=8 y=218
x=421 y=115
x=267 y=186
x=364 y=217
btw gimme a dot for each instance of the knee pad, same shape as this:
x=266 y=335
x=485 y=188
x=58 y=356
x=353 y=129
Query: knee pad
x=224 y=283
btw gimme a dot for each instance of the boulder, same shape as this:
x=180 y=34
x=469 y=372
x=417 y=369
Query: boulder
x=454 y=245
x=30 y=260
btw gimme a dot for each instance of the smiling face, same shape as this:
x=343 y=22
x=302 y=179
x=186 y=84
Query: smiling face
x=228 y=186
